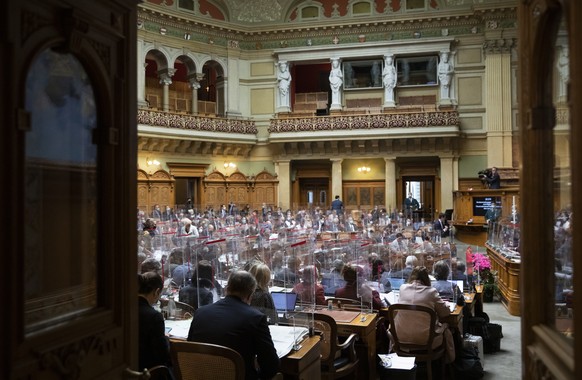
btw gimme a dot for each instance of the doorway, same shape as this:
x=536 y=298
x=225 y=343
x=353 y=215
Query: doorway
x=422 y=189
x=314 y=192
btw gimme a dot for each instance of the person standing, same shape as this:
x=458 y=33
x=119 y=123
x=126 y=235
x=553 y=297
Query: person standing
x=410 y=205
x=494 y=180
x=233 y=323
x=441 y=226
x=337 y=205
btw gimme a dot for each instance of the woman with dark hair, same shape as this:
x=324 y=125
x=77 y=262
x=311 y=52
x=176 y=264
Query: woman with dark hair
x=154 y=347
x=356 y=291
x=418 y=291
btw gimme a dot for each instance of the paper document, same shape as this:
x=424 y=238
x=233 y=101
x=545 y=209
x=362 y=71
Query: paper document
x=285 y=337
x=397 y=362
x=178 y=328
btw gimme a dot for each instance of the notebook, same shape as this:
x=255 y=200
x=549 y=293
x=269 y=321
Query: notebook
x=284 y=301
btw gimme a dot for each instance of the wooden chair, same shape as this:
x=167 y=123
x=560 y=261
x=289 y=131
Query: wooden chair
x=337 y=360
x=408 y=342
x=160 y=372
x=203 y=361
x=184 y=310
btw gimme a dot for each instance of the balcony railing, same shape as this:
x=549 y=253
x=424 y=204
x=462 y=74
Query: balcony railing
x=372 y=121
x=195 y=123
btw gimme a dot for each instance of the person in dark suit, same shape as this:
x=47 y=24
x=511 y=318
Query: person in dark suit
x=494 y=180
x=233 y=323
x=337 y=205
x=154 y=348
x=441 y=226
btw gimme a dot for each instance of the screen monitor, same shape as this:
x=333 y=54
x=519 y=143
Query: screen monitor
x=284 y=301
x=482 y=204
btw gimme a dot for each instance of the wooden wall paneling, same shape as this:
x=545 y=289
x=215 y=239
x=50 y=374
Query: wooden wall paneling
x=142 y=191
x=264 y=188
x=157 y=188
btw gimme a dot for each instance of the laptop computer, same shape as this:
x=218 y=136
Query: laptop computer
x=284 y=302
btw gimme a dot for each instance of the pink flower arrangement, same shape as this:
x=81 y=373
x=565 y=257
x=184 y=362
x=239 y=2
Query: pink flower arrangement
x=481 y=262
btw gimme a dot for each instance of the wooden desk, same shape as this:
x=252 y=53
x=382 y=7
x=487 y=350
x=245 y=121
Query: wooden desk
x=303 y=364
x=364 y=324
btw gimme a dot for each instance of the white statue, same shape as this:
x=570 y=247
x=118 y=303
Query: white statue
x=445 y=72
x=335 y=82
x=389 y=80
x=284 y=78
x=564 y=63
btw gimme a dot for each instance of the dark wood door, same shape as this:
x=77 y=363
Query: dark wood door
x=69 y=141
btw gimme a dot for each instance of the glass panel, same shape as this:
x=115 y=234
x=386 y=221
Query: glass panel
x=362 y=74
x=416 y=71
x=562 y=193
x=60 y=192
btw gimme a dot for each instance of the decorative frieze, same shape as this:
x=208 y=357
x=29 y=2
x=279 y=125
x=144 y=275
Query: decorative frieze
x=172 y=120
x=378 y=121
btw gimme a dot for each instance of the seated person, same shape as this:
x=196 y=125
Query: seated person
x=411 y=262
x=154 y=347
x=458 y=272
x=288 y=276
x=395 y=272
x=200 y=290
x=233 y=323
x=262 y=299
x=334 y=279
x=308 y=290
x=427 y=245
x=355 y=291
x=447 y=290
x=418 y=291
x=399 y=244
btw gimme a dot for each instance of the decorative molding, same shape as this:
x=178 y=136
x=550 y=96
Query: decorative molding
x=378 y=121
x=499 y=46
x=31 y=22
x=68 y=360
x=197 y=123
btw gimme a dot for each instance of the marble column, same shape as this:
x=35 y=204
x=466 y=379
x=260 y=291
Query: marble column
x=141 y=74
x=336 y=178
x=166 y=80
x=390 y=183
x=283 y=170
x=498 y=99
x=447 y=183
x=194 y=82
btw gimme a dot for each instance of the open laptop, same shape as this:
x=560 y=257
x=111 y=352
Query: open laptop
x=284 y=302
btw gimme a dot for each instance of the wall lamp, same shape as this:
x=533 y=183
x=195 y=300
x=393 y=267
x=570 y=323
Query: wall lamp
x=152 y=162
x=364 y=169
x=230 y=165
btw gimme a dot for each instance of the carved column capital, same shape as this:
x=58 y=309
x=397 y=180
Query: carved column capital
x=499 y=45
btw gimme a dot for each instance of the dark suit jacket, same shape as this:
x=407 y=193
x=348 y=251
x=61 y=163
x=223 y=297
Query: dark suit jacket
x=153 y=345
x=232 y=323
x=189 y=295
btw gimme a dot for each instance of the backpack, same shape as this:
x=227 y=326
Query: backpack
x=468 y=365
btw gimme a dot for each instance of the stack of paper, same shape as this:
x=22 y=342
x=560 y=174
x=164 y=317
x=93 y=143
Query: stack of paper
x=285 y=337
x=397 y=362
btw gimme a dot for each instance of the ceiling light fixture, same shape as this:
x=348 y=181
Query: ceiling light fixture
x=364 y=169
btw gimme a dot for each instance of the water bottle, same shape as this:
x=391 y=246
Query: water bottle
x=171 y=308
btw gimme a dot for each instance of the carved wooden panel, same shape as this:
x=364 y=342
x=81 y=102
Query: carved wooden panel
x=157 y=188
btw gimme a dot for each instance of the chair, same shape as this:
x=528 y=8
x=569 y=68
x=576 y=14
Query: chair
x=203 y=361
x=160 y=372
x=407 y=341
x=337 y=360
x=184 y=310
